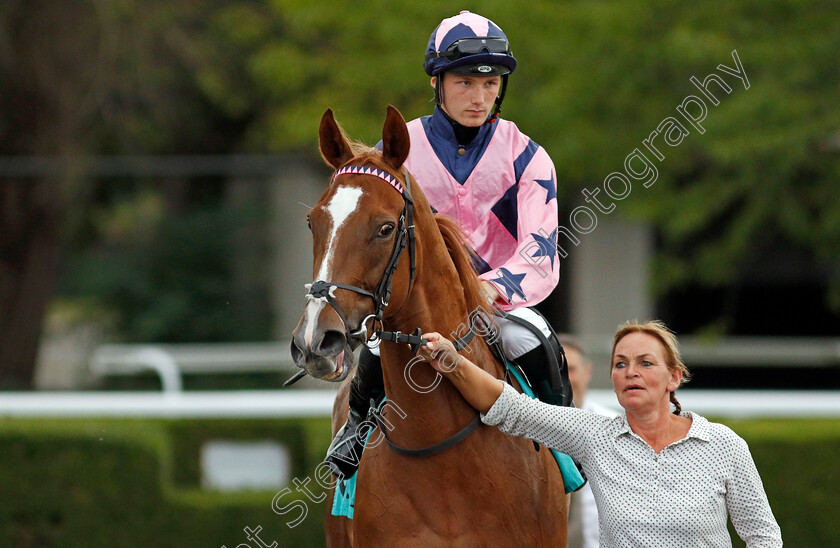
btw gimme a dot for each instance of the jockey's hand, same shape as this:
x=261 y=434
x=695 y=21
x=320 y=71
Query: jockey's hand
x=439 y=352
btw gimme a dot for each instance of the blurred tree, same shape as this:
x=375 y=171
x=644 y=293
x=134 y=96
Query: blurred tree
x=48 y=88
x=594 y=79
x=82 y=78
x=755 y=191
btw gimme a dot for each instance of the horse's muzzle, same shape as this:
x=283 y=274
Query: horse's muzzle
x=329 y=358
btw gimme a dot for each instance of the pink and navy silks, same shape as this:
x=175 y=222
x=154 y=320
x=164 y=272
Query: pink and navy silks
x=503 y=194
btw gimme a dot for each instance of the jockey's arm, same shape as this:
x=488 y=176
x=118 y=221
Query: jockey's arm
x=478 y=387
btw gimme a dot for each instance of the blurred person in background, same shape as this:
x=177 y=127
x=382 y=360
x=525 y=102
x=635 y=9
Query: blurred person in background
x=661 y=479
x=583 y=512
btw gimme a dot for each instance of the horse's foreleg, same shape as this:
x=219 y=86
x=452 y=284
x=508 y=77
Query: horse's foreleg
x=338 y=530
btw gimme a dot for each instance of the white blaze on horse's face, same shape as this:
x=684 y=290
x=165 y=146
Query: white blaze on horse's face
x=343 y=203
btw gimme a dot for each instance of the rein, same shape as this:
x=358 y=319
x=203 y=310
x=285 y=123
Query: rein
x=451 y=441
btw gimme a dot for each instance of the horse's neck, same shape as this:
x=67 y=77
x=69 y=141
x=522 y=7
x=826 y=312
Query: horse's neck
x=433 y=407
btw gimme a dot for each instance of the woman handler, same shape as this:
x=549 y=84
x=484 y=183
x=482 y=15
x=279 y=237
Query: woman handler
x=660 y=478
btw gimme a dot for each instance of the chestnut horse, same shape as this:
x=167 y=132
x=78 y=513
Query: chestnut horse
x=489 y=489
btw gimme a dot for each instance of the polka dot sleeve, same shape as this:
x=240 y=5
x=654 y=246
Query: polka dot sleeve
x=563 y=428
x=745 y=498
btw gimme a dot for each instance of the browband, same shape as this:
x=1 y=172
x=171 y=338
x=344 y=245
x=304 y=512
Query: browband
x=376 y=172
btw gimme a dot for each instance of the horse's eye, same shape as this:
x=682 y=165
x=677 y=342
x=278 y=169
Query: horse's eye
x=308 y=223
x=385 y=230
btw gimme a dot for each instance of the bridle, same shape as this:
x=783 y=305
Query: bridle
x=325 y=290
x=381 y=296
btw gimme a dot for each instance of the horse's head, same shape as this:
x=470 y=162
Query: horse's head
x=359 y=228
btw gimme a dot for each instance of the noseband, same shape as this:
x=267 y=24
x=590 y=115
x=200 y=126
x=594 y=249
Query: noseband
x=323 y=290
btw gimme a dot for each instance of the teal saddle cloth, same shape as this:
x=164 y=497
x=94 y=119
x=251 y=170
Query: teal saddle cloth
x=345 y=489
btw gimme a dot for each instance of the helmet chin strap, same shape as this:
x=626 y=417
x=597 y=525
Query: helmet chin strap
x=501 y=97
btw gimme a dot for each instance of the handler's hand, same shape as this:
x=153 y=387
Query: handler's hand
x=477 y=386
x=440 y=352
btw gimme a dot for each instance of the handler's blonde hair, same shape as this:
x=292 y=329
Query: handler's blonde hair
x=658 y=330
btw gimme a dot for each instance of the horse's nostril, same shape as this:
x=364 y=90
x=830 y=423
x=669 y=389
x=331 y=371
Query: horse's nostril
x=332 y=343
x=300 y=353
x=297 y=353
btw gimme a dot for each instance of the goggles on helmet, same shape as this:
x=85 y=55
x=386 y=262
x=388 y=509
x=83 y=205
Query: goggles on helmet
x=472 y=46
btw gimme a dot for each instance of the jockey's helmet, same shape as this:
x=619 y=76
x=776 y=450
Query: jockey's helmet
x=469 y=44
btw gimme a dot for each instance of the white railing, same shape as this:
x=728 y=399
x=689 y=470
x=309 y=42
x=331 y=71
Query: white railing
x=762 y=351
x=748 y=403
x=742 y=351
x=173 y=361
x=209 y=404
x=318 y=403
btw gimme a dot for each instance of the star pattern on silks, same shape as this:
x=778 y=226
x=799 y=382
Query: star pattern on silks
x=547 y=246
x=511 y=282
x=550 y=187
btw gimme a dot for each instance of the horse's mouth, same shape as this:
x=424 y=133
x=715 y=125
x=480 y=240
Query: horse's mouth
x=323 y=364
x=339 y=368
x=345 y=360
x=342 y=365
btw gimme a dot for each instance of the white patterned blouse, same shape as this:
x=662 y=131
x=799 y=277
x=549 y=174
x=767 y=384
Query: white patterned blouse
x=680 y=497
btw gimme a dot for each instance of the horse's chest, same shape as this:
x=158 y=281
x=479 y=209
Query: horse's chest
x=450 y=506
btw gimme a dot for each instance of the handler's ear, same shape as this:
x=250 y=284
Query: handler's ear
x=676 y=379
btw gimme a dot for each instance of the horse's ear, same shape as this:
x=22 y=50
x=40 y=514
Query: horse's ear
x=334 y=146
x=395 y=140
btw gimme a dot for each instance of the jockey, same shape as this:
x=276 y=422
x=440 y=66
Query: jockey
x=500 y=187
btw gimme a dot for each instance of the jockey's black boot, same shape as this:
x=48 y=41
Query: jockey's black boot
x=549 y=375
x=345 y=451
